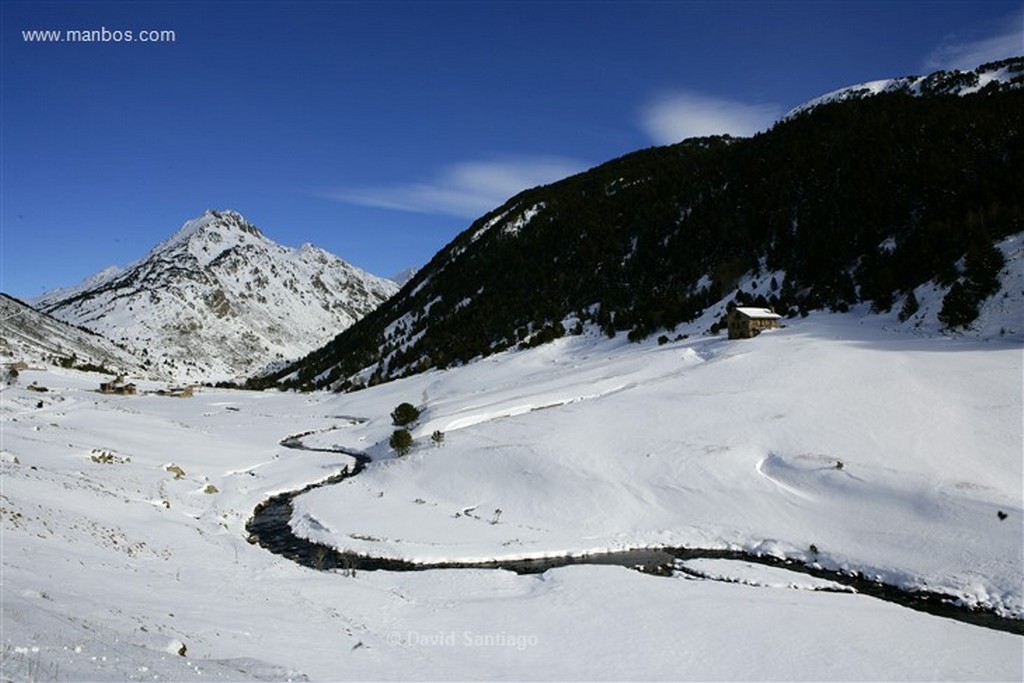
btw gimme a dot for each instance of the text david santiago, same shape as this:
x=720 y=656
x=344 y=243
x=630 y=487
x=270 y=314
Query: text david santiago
x=463 y=639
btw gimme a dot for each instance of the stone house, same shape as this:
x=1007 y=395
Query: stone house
x=178 y=392
x=117 y=386
x=746 y=322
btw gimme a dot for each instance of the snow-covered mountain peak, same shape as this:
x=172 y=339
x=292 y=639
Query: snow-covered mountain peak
x=91 y=282
x=220 y=221
x=404 y=276
x=104 y=275
x=211 y=234
x=212 y=220
x=220 y=300
x=308 y=250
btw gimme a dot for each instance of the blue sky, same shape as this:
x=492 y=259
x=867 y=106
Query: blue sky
x=379 y=131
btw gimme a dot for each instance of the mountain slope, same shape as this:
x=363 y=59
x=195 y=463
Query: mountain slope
x=863 y=200
x=988 y=78
x=31 y=337
x=219 y=300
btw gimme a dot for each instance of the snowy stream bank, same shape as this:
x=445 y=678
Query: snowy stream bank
x=270 y=528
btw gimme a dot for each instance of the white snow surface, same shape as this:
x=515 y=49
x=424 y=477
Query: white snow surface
x=512 y=225
x=916 y=85
x=752 y=312
x=112 y=562
x=218 y=300
x=587 y=446
x=33 y=338
x=512 y=228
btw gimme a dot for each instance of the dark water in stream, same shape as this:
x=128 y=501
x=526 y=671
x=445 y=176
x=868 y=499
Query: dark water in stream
x=269 y=527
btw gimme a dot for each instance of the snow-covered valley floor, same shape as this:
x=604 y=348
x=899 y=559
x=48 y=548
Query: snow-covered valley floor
x=124 y=540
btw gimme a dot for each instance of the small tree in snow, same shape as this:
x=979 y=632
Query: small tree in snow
x=404 y=414
x=437 y=438
x=401 y=441
x=910 y=307
x=959 y=306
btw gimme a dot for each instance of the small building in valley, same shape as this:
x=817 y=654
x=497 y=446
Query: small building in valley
x=117 y=386
x=746 y=322
x=178 y=392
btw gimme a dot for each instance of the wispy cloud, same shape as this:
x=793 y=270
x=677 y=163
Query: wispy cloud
x=959 y=51
x=466 y=189
x=686 y=114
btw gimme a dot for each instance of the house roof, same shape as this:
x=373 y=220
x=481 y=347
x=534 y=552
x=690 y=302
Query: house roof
x=758 y=313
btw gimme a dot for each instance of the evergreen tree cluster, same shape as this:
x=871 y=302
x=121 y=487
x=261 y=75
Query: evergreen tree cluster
x=404 y=415
x=861 y=200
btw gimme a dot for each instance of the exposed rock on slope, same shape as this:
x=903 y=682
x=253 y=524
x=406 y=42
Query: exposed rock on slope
x=219 y=300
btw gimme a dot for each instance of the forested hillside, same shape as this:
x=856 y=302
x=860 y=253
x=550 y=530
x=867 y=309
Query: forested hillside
x=857 y=200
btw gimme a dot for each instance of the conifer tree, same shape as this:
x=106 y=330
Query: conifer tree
x=401 y=441
x=404 y=414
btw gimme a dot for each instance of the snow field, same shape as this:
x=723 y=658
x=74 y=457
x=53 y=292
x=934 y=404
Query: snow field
x=111 y=566
x=711 y=443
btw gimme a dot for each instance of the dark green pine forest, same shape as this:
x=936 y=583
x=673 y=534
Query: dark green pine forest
x=854 y=201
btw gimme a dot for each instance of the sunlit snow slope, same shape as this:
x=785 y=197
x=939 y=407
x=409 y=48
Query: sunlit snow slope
x=125 y=553
x=30 y=337
x=990 y=77
x=891 y=454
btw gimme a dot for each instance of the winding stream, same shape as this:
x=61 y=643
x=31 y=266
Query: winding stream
x=269 y=527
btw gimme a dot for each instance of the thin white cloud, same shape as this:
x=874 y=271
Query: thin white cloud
x=686 y=114
x=467 y=189
x=966 y=53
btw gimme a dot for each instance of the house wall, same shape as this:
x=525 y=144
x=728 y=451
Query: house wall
x=742 y=327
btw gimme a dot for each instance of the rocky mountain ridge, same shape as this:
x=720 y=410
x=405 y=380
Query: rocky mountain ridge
x=220 y=301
